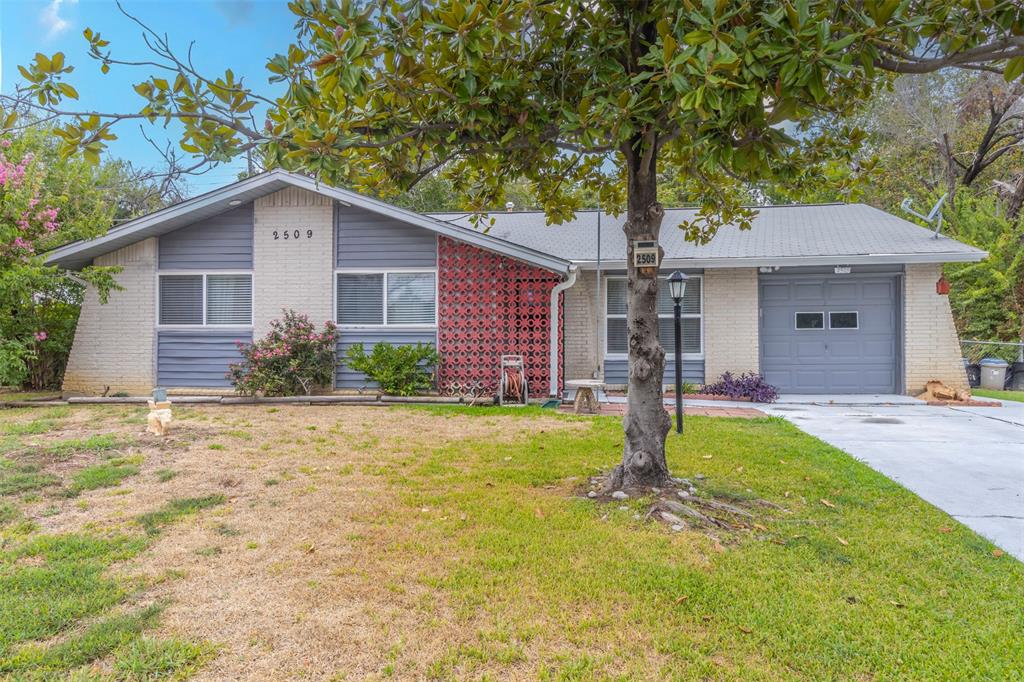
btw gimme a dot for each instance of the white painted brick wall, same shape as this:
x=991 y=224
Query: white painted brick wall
x=730 y=322
x=292 y=273
x=932 y=347
x=114 y=342
x=581 y=351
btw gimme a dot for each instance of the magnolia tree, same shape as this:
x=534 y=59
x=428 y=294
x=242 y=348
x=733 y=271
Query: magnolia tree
x=562 y=93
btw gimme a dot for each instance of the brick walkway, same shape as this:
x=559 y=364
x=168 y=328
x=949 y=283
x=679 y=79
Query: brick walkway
x=742 y=412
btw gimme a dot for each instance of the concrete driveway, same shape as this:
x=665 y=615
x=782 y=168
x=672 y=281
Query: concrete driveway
x=968 y=461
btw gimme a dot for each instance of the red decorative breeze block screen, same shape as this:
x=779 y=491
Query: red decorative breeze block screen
x=489 y=306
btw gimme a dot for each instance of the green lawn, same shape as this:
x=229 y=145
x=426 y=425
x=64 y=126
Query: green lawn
x=1001 y=395
x=473 y=554
x=61 y=609
x=882 y=585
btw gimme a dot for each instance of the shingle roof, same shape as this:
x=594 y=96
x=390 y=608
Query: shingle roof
x=781 y=235
x=827 y=233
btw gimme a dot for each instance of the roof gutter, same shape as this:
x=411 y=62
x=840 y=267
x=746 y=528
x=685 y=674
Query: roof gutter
x=569 y=280
x=796 y=261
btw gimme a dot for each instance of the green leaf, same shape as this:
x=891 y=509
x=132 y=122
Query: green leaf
x=68 y=91
x=669 y=47
x=1014 y=69
x=844 y=42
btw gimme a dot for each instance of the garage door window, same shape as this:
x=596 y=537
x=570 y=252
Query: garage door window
x=810 y=320
x=843 y=320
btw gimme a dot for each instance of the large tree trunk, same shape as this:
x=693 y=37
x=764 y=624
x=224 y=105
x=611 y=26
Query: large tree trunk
x=646 y=422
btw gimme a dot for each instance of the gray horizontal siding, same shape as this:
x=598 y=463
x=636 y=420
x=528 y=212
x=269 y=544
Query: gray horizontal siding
x=197 y=359
x=368 y=240
x=348 y=378
x=616 y=371
x=221 y=242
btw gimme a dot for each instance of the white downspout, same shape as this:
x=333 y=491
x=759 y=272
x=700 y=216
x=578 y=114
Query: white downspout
x=569 y=280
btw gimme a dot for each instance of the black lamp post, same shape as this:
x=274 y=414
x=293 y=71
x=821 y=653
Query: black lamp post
x=676 y=288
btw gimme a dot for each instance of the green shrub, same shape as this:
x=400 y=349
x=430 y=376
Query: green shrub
x=400 y=370
x=292 y=359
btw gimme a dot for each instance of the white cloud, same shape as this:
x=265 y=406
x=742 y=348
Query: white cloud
x=51 y=19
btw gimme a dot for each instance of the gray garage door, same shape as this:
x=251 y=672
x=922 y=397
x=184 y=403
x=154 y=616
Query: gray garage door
x=829 y=334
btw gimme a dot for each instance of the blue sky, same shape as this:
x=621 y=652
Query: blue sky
x=236 y=34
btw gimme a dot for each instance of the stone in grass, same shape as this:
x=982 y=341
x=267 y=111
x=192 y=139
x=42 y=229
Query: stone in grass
x=683 y=494
x=619 y=495
x=669 y=517
x=592 y=494
x=677 y=527
x=700 y=477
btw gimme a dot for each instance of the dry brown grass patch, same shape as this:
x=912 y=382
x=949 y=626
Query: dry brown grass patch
x=310 y=581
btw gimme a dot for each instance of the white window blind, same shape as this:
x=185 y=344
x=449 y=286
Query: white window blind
x=229 y=299
x=392 y=298
x=226 y=299
x=361 y=299
x=692 y=320
x=181 y=299
x=411 y=298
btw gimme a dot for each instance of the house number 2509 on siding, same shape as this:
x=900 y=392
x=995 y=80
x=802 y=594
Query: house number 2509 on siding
x=291 y=234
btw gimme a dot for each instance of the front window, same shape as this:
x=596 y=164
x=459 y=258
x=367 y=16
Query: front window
x=205 y=300
x=387 y=299
x=617 y=342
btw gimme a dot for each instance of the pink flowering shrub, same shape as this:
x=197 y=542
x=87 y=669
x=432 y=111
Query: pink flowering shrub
x=292 y=359
x=23 y=220
x=46 y=200
x=25 y=223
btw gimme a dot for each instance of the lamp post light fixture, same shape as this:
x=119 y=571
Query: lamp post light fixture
x=677 y=288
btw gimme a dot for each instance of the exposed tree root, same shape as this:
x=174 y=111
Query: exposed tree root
x=680 y=504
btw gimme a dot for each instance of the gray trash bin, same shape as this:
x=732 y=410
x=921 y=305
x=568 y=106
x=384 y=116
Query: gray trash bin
x=993 y=373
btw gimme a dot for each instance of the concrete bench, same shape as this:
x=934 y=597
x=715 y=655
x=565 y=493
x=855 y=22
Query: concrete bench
x=586 y=398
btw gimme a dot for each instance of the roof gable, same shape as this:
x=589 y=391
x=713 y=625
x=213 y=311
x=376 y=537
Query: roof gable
x=77 y=255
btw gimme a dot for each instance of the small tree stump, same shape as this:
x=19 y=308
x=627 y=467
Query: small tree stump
x=158 y=421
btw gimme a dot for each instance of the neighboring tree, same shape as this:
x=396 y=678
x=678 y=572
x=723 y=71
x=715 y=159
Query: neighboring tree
x=47 y=200
x=987 y=297
x=600 y=94
x=946 y=130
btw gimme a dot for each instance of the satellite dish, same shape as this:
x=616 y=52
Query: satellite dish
x=934 y=216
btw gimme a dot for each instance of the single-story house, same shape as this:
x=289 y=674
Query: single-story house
x=836 y=298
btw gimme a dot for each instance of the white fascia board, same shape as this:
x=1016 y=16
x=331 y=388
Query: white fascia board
x=153 y=220
x=797 y=261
